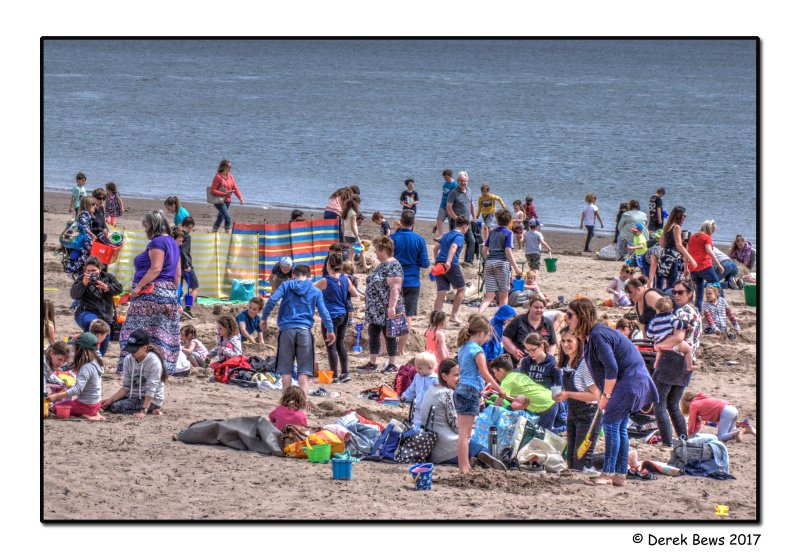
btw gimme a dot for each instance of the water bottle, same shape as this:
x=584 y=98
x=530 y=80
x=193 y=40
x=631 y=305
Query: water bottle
x=493 y=440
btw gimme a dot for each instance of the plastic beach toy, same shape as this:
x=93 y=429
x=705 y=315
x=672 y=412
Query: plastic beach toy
x=422 y=475
x=357 y=347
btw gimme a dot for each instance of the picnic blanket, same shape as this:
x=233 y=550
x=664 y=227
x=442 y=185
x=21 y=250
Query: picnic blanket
x=241 y=433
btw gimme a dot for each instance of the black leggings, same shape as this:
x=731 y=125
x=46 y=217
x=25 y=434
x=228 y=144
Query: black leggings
x=337 y=352
x=669 y=397
x=375 y=331
x=577 y=427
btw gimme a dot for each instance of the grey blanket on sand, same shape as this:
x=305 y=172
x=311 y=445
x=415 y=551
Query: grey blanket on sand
x=241 y=433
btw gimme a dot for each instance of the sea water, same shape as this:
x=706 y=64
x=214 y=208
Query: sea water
x=550 y=118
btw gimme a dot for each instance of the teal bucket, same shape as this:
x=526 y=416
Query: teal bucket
x=342 y=469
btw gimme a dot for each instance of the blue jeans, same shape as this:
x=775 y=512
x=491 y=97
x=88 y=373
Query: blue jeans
x=474 y=449
x=616 y=438
x=730 y=273
x=699 y=278
x=84 y=320
x=589 y=236
x=222 y=214
x=548 y=418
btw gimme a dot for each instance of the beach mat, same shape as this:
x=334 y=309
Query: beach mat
x=210 y=301
x=241 y=433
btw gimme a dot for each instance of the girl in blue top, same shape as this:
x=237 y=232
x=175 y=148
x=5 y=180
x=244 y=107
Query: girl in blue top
x=336 y=291
x=474 y=375
x=173 y=205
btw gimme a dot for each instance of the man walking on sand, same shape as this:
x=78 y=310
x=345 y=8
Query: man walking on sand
x=449 y=248
x=460 y=204
x=412 y=253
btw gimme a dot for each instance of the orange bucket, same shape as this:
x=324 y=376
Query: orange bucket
x=325 y=377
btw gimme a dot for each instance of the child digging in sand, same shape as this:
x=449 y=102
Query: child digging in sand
x=88 y=386
x=668 y=331
x=290 y=409
x=249 y=321
x=229 y=342
x=701 y=408
x=196 y=353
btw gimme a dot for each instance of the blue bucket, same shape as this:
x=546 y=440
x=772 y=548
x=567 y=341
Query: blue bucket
x=422 y=474
x=342 y=469
x=519 y=285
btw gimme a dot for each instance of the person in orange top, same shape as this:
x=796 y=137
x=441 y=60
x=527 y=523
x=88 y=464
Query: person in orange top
x=702 y=408
x=225 y=187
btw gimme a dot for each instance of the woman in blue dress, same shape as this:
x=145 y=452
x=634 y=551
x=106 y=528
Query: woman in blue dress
x=619 y=370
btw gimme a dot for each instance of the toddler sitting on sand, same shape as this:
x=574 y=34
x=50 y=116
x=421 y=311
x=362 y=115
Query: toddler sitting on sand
x=425 y=363
x=290 y=409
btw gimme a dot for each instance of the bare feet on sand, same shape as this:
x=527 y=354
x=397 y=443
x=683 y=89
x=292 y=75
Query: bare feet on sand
x=98 y=416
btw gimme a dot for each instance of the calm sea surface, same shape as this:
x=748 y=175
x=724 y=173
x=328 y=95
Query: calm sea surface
x=554 y=119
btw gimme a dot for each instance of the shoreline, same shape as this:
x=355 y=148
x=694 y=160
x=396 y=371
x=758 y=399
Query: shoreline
x=553 y=229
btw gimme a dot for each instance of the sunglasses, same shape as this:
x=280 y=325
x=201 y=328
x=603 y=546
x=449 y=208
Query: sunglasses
x=679 y=292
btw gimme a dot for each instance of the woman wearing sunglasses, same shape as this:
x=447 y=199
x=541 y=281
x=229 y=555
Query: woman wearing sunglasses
x=619 y=370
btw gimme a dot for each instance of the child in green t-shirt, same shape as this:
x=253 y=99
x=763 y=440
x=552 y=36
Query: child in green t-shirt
x=519 y=387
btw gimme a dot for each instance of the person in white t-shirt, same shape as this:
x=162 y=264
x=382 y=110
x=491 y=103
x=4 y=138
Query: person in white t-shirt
x=588 y=216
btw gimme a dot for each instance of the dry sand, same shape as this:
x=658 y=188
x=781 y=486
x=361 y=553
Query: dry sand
x=132 y=469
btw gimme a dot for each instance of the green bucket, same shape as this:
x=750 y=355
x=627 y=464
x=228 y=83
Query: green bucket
x=320 y=453
x=751 y=294
x=550 y=264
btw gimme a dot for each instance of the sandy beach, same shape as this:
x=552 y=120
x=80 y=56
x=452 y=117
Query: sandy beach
x=135 y=470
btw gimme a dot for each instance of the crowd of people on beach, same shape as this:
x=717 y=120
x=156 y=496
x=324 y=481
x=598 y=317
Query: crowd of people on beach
x=560 y=361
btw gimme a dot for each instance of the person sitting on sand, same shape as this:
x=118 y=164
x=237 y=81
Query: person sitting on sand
x=717 y=313
x=249 y=321
x=144 y=374
x=196 y=353
x=281 y=271
x=743 y=252
x=425 y=363
x=290 y=409
x=701 y=408
x=229 y=342
x=88 y=386
x=617 y=286
x=54 y=357
x=532 y=285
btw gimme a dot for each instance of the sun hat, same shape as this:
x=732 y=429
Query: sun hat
x=286 y=261
x=86 y=340
x=137 y=340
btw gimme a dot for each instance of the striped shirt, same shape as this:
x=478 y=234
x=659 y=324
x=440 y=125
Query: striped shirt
x=717 y=315
x=662 y=326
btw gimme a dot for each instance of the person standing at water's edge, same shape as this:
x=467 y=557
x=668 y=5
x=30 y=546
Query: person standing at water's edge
x=448 y=185
x=225 y=187
x=409 y=197
x=656 y=217
x=460 y=204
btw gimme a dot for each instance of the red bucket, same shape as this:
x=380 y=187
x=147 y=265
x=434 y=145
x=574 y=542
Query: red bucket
x=438 y=269
x=63 y=411
x=105 y=253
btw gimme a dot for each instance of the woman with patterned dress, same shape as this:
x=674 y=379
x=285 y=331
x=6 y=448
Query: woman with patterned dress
x=154 y=292
x=382 y=302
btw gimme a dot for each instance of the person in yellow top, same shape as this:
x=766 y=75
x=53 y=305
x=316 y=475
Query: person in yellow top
x=487 y=207
x=639 y=246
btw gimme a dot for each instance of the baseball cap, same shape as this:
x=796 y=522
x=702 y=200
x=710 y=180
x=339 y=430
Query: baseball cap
x=286 y=262
x=638 y=227
x=137 y=340
x=534 y=222
x=86 y=340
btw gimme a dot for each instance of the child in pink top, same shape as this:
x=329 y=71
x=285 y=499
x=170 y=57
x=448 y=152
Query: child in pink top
x=290 y=409
x=702 y=408
x=435 y=341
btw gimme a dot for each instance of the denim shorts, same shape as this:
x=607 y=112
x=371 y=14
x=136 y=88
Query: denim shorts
x=467 y=400
x=295 y=344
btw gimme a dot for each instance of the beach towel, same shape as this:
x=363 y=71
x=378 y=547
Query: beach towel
x=241 y=433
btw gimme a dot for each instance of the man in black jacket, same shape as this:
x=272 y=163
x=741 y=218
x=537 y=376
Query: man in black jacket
x=95 y=291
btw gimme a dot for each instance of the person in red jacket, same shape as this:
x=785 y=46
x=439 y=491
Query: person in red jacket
x=225 y=187
x=702 y=408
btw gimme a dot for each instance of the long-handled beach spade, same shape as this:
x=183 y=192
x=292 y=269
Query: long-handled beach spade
x=587 y=442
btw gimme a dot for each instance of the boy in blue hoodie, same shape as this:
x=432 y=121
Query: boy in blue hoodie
x=295 y=319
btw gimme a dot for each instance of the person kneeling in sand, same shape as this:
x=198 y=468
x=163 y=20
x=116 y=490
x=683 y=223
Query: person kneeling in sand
x=88 y=385
x=143 y=376
x=526 y=394
x=290 y=409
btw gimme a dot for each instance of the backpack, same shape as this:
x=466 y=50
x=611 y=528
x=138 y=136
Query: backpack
x=404 y=378
x=263 y=364
x=225 y=370
x=699 y=449
x=72 y=238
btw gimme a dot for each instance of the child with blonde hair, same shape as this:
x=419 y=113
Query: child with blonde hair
x=425 y=363
x=474 y=375
x=668 y=332
x=290 y=409
x=701 y=408
x=717 y=313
